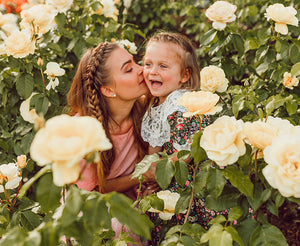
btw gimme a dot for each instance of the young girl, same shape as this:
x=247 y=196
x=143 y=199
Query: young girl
x=170 y=69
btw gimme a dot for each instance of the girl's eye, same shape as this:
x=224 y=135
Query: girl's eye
x=147 y=64
x=163 y=66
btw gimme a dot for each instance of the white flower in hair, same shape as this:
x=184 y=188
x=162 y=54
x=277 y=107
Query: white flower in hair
x=126 y=44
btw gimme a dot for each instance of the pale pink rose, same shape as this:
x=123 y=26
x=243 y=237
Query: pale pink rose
x=199 y=103
x=288 y=81
x=283 y=169
x=282 y=16
x=223 y=140
x=64 y=141
x=213 y=79
x=221 y=12
x=20 y=44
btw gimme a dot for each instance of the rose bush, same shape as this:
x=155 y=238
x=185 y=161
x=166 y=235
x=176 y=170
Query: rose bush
x=252 y=42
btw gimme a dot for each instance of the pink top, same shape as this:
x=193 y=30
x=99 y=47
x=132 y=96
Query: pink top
x=125 y=159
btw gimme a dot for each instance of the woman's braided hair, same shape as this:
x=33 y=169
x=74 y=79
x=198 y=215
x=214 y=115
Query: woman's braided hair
x=85 y=98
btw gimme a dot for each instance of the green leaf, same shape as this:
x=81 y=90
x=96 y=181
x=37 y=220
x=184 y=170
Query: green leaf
x=120 y=207
x=246 y=228
x=215 y=182
x=164 y=173
x=259 y=197
x=144 y=165
x=292 y=106
x=72 y=206
x=235 y=235
x=245 y=160
x=197 y=152
x=235 y=213
x=218 y=220
x=182 y=203
x=208 y=37
x=217 y=236
x=30 y=220
x=4 y=145
x=181 y=172
x=237 y=105
x=267 y=235
x=24 y=85
x=200 y=181
x=238 y=43
x=183 y=154
x=48 y=194
x=42 y=105
x=295 y=69
x=239 y=180
x=15 y=236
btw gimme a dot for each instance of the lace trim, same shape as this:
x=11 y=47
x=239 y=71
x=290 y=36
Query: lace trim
x=155 y=126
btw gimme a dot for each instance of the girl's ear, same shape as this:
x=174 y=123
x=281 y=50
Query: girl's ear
x=186 y=75
x=107 y=91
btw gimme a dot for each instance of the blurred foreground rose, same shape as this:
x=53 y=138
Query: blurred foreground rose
x=61 y=6
x=10 y=175
x=283 y=169
x=170 y=199
x=19 y=44
x=199 y=103
x=64 y=141
x=223 y=140
x=282 y=16
x=288 y=81
x=213 y=79
x=260 y=134
x=221 y=12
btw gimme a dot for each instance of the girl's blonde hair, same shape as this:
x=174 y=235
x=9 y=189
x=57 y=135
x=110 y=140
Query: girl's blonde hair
x=188 y=58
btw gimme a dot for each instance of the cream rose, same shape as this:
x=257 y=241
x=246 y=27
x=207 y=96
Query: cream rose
x=288 y=81
x=107 y=9
x=130 y=46
x=28 y=114
x=199 y=103
x=213 y=79
x=62 y=6
x=19 y=44
x=282 y=16
x=42 y=16
x=221 y=12
x=223 y=140
x=64 y=141
x=283 y=169
x=170 y=199
x=9 y=173
x=53 y=70
x=21 y=161
x=260 y=134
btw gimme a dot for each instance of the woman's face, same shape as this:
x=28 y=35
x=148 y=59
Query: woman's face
x=127 y=76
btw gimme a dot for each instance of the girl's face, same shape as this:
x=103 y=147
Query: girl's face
x=127 y=76
x=162 y=69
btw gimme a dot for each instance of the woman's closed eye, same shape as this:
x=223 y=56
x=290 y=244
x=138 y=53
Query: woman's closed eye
x=129 y=70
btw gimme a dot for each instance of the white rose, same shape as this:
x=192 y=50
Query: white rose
x=221 y=12
x=199 y=103
x=288 y=81
x=283 y=169
x=62 y=6
x=26 y=113
x=53 y=70
x=19 y=44
x=42 y=16
x=223 y=140
x=11 y=175
x=282 y=16
x=260 y=134
x=170 y=199
x=126 y=44
x=8 y=19
x=64 y=141
x=107 y=9
x=213 y=79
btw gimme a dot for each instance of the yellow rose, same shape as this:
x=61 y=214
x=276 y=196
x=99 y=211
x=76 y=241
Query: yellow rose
x=221 y=12
x=19 y=44
x=283 y=169
x=170 y=199
x=260 y=134
x=64 y=141
x=223 y=140
x=62 y=6
x=213 y=79
x=41 y=15
x=288 y=81
x=199 y=103
x=282 y=16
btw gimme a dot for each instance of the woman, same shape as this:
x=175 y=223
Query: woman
x=108 y=85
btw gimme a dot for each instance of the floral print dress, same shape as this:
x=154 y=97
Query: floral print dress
x=182 y=128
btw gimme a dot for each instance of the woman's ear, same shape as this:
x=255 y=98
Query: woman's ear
x=186 y=75
x=107 y=91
